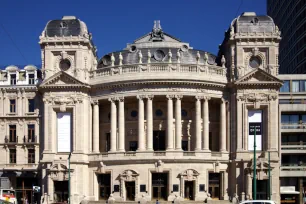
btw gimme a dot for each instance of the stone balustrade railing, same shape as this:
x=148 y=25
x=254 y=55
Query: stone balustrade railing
x=159 y=68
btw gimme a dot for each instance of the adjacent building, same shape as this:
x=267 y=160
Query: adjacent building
x=290 y=17
x=156 y=120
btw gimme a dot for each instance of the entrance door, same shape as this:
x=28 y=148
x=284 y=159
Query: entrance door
x=189 y=190
x=159 y=140
x=61 y=191
x=159 y=186
x=214 y=185
x=130 y=190
x=104 y=186
x=262 y=189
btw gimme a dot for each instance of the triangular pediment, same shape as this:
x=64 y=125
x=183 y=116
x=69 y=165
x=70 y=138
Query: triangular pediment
x=148 y=38
x=258 y=77
x=62 y=79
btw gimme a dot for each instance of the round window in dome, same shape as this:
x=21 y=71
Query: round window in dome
x=64 y=64
x=184 y=113
x=159 y=55
x=134 y=113
x=159 y=113
x=255 y=62
x=133 y=48
x=106 y=60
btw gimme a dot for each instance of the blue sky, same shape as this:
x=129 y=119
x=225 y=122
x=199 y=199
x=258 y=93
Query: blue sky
x=114 y=23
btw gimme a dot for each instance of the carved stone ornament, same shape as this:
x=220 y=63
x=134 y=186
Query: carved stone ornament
x=257 y=98
x=190 y=174
x=159 y=166
x=142 y=68
x=58 y=172
x=262 y=168
x=101 y=168
x=129 y=175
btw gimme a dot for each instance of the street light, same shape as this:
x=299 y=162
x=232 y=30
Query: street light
x=69 y=177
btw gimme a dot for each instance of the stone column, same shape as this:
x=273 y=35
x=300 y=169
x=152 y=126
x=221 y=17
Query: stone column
x=170 y=123
x=205 y=117
x=178 y=123
x=249 y=185
x=50 y=189
x=46 y=136
x=113 y=139
x=239 y=125
x=222 y=126
x=198 y=123
x=121 y=137
x=225 y=186
x=150 y=123
x=141 y=135
x=95 y=139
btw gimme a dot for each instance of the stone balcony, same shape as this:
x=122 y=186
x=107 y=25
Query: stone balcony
x=292 y=170
x=196 y=156
x=160 y=71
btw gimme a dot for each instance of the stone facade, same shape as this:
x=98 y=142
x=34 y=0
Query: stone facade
x=158 y=120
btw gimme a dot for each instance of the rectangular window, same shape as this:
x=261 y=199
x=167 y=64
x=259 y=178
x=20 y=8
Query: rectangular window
x=295 y=86
x=31 y=105
x=285 y=87
x=185 y=145
x=31 y=156
x=302 y=85
x=64 y=132
x=31 y=79
x=133 y=145
x=31 y=133
x=13 y=106
x=12 y=156
x=255 y=127
x=13 y=137
x=13 y=79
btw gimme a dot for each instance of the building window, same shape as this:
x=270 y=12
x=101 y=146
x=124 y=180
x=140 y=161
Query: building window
x=13 y=106
x=255 y=62
x=159 y=113
x=13 y=137
x=285 y=87
x=302 y=85
x=184 y=113
x=133 y=145
x=31 y=133
x=295 y=86
x=31 y=156
x=13 y=79
x=31 y=79
x=185 y=145
x=134 y=114
x=13 y=156
x=31 y=105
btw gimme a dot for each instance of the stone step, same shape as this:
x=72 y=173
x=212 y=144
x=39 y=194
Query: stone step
x=166 y=202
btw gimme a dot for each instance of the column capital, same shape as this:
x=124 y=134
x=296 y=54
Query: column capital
x=207 y=98
x=224 y=100
x=178 y=97
x=150 y=97
x=141 y=97
x=170 y=97
x=95 y=102
x=113 y=99
x=199 y=97
x=120 y=99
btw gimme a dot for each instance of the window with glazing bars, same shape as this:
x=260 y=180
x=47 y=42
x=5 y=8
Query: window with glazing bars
x=31 y=79
x=13 y=79
x=13 y=156
x=31 y=133
x=31 y=156
x=13 y=137
x=31 y=105
x=13 y=106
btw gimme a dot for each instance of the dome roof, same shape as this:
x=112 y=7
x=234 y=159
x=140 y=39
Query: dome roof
x=67 y=26
x=250 y=22
x=159 y=46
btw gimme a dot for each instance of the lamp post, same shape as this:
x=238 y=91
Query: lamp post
x=254 y=169
x=269 y=188
x=69 y=178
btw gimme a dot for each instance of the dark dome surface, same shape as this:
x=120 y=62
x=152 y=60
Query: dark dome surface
x=68 y=26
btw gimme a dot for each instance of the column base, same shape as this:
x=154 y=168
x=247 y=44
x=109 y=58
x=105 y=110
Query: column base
x=206 y=150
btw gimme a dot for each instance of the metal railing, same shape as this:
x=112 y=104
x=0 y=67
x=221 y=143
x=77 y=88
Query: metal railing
x=8 y=139
x=29 y=139
x=293 y=126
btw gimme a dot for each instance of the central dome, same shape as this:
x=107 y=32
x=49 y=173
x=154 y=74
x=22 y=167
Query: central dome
x=157 y=47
